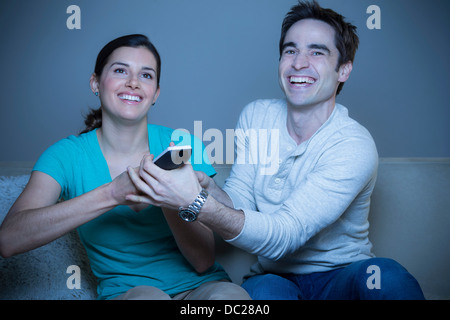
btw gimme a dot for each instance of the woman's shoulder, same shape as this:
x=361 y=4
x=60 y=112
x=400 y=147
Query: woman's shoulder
x=167 y=134
x=71 y=142
x=70 y=148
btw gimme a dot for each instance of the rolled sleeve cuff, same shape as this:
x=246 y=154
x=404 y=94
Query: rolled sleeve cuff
x=249 y=237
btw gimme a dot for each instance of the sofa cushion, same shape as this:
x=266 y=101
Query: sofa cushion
x=410 y=217
x=42 y=273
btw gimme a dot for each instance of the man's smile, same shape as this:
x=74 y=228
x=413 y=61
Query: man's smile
x=301 y=81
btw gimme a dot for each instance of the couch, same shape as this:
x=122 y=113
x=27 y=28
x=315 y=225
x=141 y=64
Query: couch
x=409 y=222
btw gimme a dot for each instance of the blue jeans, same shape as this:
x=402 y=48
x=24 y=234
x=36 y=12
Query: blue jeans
x=371 y=279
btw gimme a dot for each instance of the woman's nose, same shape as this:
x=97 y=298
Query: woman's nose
x=133 y=82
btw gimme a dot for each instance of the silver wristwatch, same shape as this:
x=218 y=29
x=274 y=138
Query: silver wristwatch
x=190 y=213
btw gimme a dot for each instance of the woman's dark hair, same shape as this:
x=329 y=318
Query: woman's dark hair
x=94 y=119
x=346 y=39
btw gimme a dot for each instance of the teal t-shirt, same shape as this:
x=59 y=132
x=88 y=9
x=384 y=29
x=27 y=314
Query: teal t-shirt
x=126 y=248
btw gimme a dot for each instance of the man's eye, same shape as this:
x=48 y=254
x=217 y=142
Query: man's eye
x=317 y=53
x=289 y=51
x=147 y=76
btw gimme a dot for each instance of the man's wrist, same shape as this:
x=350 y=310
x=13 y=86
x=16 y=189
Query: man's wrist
x=223 y=220
x=191 y=212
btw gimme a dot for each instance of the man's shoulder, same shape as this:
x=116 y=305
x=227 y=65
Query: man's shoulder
x=344 y=123
x=346 y=137
x=262 y=111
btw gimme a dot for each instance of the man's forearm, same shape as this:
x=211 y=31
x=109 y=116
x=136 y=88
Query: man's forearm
x=218 y=194
x=225 y=221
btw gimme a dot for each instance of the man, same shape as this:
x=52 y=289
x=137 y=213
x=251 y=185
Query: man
x=308 y=220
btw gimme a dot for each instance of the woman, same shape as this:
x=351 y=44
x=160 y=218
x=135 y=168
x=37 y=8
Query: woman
x=136 y=251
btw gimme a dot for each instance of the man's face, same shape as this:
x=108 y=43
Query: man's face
x=307 y=69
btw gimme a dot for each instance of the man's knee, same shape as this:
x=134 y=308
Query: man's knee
x=388 y=279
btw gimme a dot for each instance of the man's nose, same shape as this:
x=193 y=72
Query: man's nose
x=300 y=61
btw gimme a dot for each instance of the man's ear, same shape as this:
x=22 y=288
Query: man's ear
x=94 y=83
x=344 y=71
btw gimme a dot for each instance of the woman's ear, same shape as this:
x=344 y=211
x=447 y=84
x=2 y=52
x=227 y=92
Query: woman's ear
x=94 y=84
x=156 y=96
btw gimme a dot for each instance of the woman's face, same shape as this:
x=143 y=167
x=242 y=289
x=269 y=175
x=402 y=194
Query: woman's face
x=128 y=84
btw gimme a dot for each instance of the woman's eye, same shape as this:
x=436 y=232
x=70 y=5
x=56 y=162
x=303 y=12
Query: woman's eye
x=147 y=76
x=119 y=70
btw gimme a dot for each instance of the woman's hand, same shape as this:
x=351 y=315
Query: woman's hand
x=163 y=188
x=122 y=186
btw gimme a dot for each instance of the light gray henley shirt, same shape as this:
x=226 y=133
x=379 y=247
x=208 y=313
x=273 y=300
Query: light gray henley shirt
x=306 y=206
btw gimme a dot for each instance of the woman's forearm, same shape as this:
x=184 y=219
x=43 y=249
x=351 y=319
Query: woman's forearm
x=26 y=228
x=195 y=241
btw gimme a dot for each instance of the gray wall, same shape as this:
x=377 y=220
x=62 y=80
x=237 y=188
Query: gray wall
x=217 y=57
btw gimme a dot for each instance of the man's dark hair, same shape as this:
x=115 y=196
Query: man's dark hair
x=346 y=38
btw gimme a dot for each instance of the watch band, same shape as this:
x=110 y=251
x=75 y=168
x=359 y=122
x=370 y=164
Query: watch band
x=191 y=212
x=199 y=201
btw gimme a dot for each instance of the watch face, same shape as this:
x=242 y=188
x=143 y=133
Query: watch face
x=188 y=215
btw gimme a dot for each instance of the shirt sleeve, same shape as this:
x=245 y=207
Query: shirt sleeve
x=344 y=170
x=56 y=162
x=239 y=185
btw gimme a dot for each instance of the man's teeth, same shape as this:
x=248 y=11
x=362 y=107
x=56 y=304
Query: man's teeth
x=128 y=97
x=302 y=80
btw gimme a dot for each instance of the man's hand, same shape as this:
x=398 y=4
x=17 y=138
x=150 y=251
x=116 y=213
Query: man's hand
x=164 y=188
x=204 y=180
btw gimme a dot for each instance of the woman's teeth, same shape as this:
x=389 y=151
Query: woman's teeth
x=131 y=98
